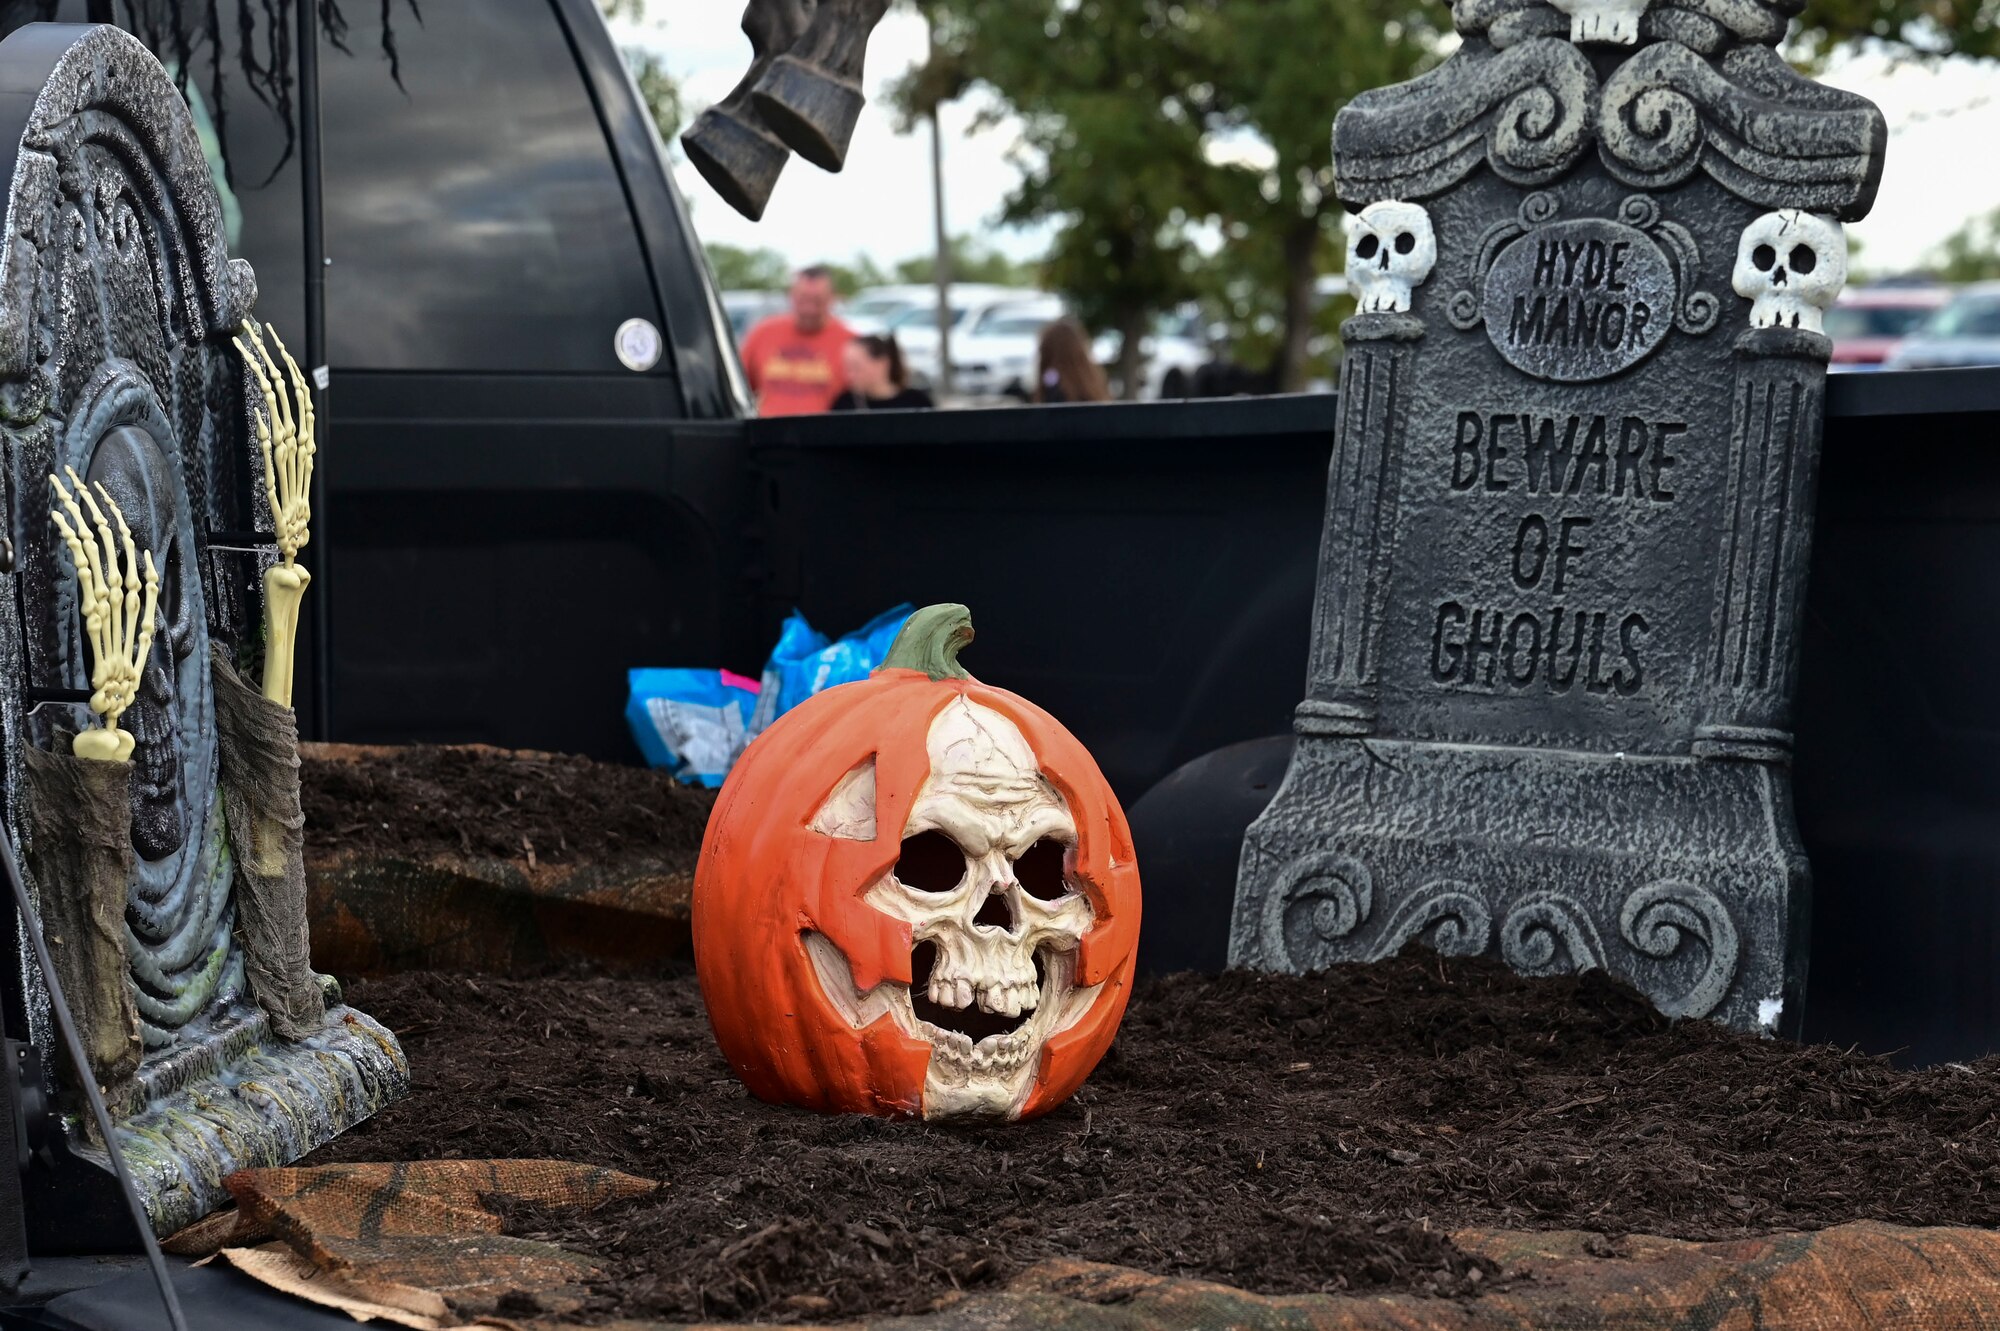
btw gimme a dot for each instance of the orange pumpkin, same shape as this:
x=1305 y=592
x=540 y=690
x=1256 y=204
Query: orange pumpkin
x=917 y=896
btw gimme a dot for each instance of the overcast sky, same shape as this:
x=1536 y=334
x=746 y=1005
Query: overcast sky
x=1944 y=121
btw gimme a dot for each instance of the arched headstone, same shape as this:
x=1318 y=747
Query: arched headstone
x=1569 y=508
x=118 y=304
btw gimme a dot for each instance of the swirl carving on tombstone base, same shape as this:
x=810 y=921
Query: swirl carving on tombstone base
x=1320 y=900
x=1451 y=912
x=1548 y=934
x=1661 y=918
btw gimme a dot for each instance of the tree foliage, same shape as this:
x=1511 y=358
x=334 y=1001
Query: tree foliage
x=1181 y=147
x=1152 y=127
x=971 y=261
x=1912 y=27
x=739 y=269
x=658 y=88
x=1972 y=253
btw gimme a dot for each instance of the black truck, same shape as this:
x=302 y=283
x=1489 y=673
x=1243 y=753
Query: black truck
x=512 y=517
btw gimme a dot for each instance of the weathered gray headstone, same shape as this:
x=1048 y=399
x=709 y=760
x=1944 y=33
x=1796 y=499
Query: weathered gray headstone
x=1569 y=509
x=118 y=303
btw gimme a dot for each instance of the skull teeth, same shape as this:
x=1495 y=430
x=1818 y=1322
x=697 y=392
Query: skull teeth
x=1008 y=998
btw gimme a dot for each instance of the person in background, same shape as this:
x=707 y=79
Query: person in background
x=1064 y=370
x=877 y=379
x=794 y=360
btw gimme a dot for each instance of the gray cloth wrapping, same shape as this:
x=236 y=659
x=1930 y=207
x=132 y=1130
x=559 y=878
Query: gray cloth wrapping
x=78 y=834
x=258 y=742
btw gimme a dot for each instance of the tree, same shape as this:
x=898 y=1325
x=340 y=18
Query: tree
x=658 y=88
x=748 y=270
x=1129 y=108
x=971 y=261
x=1915 y=27
x=1972 y=253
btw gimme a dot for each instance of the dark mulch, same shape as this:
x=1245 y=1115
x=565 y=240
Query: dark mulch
x=1274 y=1133
x=429 y=800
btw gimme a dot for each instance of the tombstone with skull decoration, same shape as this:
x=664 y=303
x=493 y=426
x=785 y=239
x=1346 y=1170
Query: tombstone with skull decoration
x=155 y=795
x=917 y=897
x=1549 y=703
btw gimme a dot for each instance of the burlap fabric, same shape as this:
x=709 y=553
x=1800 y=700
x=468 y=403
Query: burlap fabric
x=77 y=816
x=420 y=1245
x=258 y=743
x=415 y=1244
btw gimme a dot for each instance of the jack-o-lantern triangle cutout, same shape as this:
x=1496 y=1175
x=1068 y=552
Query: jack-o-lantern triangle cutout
x=917 y=896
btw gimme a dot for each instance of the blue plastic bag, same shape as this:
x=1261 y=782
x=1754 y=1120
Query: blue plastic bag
x=693 y=723
x=805 y=662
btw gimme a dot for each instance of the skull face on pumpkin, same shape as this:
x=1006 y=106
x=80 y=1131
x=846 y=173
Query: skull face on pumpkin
x=916 y=896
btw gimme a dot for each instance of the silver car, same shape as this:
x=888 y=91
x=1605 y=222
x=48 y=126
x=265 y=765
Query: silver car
x=1965 y=332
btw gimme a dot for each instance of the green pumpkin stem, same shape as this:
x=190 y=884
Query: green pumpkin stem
x=931 y=640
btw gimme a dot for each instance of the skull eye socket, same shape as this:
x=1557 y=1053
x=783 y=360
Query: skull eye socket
x=1405 y=242
x=1764 y=257
x=930 y=862
x=1367 y=247
x=1803 y=259
x=1039 y=871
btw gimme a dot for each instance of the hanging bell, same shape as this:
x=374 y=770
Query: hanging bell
x=732 y=147
x=811 y=96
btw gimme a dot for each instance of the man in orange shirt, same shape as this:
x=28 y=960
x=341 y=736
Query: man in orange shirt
x=794 y=360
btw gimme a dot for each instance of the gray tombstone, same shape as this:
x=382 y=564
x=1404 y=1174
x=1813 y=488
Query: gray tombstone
x=118 y=302
x=1569 y=509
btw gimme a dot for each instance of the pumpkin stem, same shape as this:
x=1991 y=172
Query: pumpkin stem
x=931 y=640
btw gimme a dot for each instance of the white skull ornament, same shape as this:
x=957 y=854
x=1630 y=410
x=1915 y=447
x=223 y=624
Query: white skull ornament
x=1391 y=250
x=1614 y=21
x=1791 y=266
x=995 y=923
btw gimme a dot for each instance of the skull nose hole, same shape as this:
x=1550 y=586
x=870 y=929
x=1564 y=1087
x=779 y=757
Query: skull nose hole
x=1040 y=870
x=923 y=960
x=995 y=911
x=930 y=862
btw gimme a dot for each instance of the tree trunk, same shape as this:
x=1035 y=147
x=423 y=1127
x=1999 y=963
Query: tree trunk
x=1131 y=345
x=1301 y=242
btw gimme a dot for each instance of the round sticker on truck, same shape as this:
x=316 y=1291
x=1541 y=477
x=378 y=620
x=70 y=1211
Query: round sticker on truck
x=638 y=345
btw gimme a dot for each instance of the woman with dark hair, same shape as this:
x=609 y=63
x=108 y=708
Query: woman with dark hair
x=877 y=379
x=1065 y=372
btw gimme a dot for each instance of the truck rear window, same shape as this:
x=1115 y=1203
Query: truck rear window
x=473 y=215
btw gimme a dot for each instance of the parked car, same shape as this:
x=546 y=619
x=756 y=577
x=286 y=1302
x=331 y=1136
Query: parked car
x=873 y=309
x=747 y=309
x=993 y=353
x=1869 y=323
x=1965 y=332
x=916 y=329
x=1170 y=356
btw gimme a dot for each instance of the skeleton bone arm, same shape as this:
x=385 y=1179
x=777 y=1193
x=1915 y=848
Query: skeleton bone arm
x=285 y=435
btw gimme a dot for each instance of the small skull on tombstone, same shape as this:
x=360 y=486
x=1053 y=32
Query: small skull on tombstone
x=1613 y=21
x=1791 y=265
x=1391 y=250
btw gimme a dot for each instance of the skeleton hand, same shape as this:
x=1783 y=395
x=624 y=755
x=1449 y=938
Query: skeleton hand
x=119 y=631
x=285 y=433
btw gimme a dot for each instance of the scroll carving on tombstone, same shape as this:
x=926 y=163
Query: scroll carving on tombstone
x=1569 y=508
x=127 y=413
